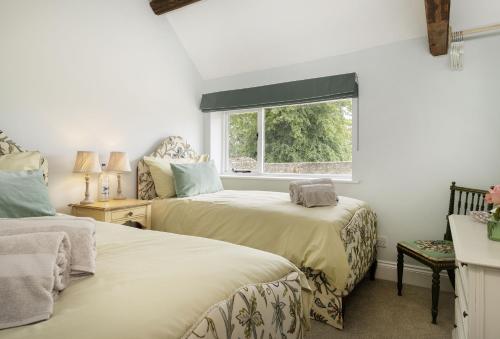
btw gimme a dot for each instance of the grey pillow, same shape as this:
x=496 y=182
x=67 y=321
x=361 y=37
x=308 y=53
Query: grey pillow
x=24 y=194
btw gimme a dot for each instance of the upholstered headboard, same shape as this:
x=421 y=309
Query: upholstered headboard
x=170 y=148
x=7 y=146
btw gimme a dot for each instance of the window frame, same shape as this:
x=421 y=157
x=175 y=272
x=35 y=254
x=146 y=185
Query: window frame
x=226 y=169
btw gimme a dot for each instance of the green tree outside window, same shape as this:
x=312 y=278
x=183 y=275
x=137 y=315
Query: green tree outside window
x=319 y=132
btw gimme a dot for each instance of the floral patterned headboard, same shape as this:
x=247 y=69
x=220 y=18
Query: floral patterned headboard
x=7 y=146
x=170 y=148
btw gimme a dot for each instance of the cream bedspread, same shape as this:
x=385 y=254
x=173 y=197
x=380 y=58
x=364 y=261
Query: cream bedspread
x=153 y=285
x=309 y=237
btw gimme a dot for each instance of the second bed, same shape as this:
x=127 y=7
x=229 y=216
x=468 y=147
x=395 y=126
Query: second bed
x=334 y=246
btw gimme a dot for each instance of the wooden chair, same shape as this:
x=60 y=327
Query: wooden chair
x=439 y=254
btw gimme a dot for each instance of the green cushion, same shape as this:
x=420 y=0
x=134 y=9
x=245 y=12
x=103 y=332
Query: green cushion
x=24 y=194
x=437 y=250
x=194 y=179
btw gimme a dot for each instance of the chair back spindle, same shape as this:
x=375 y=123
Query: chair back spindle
x=465 y=203
x=459 y=202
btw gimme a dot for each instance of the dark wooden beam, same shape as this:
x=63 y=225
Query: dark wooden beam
x=438 y=24
x=164 y=6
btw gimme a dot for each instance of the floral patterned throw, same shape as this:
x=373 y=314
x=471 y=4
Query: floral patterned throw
x=272 y=310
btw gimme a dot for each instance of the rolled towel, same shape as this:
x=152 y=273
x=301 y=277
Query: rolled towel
x=295 y=187
x=81 y=233
x=34 y=269
x=318 y=195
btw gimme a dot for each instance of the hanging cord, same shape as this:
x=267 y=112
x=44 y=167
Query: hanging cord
x=456 y=40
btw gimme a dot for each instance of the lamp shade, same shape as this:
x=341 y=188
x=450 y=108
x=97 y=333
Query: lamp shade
x=118 y=162
x=87 y=162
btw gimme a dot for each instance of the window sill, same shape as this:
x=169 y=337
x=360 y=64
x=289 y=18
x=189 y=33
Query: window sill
x=286 y=177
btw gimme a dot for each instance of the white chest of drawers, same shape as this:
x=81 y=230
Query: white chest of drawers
x=477 y=280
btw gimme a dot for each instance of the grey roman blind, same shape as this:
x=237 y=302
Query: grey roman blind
x=294 y=92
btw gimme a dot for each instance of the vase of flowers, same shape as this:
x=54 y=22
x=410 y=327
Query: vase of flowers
x=493 y=197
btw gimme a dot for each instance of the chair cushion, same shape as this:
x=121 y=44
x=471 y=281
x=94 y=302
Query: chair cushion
x=436 y=250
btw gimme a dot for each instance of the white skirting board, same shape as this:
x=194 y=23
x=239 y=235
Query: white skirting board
x=412 y=275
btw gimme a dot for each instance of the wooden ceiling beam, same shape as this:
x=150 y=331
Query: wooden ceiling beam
x=164 y=6
x=438 y=25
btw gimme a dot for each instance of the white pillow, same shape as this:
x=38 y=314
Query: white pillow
x=163 y=176
x=22 y=161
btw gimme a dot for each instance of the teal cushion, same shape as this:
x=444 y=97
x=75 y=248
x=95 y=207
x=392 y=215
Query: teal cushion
x=194 y=179
x=24 y=194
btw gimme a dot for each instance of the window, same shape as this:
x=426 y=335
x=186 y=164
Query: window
x=305 y=139
x=243 y=139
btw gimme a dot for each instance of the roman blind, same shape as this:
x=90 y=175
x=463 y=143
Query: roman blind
x=286 y=93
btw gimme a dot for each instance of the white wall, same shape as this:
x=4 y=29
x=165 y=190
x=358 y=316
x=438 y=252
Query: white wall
x=93 y=75
x=421 y=126
x=111 y=75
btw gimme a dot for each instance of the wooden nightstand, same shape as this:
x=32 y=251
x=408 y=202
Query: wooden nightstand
x=117 y=211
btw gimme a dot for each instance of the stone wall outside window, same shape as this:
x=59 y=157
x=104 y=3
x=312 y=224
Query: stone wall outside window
x=339 y=167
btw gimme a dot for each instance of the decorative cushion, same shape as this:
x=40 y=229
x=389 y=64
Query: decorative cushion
x=20 y=161
x=24 y=194
x=435 y=250
x=194 y=179
x=163 y=177
x=173 y=147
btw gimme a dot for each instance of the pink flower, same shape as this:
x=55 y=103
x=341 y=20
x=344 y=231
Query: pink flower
x=494 y=196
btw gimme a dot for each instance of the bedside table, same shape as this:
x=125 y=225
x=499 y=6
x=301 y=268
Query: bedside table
x=116 y=211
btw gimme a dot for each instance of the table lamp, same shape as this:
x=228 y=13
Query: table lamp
x=87 y=163
x=118 y=163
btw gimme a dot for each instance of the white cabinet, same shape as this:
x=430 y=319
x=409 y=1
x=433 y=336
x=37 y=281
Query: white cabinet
x=477 y=280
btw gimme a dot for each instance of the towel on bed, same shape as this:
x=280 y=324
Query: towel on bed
x=34 y=268
x=295 y=188
x=318 y=195
x=81 y=233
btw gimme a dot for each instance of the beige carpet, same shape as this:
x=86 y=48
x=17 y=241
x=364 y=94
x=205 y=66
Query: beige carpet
x=375 y=311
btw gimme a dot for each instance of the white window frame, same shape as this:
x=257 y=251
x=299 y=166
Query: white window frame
x=259 y=172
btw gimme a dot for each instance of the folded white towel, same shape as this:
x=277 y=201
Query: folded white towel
x=318 y=195
x=295 y=188
x=81 y=233
x=34 y=269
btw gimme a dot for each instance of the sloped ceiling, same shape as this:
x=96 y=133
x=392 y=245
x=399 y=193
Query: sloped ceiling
x=226 y=37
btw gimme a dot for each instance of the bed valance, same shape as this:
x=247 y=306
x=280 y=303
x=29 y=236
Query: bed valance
x=286 y=93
